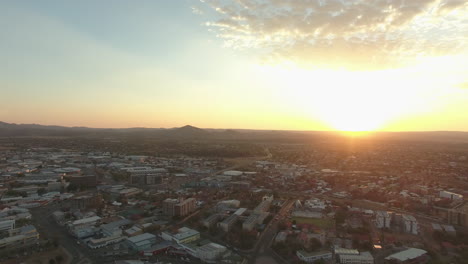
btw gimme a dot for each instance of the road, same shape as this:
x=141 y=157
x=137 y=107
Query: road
x=48 y=228
x=262 y=252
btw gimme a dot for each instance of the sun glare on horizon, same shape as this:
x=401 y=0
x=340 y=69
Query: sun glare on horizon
x=356 y=101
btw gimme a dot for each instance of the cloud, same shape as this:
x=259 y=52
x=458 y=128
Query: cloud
x=358 y=34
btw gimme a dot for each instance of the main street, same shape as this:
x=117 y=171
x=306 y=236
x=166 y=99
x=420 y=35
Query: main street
x=262 y=253
x=48 y=228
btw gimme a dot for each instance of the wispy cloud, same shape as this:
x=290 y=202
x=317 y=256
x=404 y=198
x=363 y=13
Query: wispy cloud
x=358 y=34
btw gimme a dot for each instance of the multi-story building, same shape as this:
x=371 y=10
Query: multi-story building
x=146 y=175
x=227 y=223
x=185 y=207
x=313 y=256
x=176 y=207
x=253 y=220
x=458 y=215
x=383 y=219
x=168 y=206
x=210 y=220
x=410 y=224
x=85 y=201
x=263 y=206
x=353 y=256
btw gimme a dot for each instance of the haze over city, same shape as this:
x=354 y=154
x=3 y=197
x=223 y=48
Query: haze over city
x=294 y=65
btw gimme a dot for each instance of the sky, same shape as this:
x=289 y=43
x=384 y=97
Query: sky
x=392 y=65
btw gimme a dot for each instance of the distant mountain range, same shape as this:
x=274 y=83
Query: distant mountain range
x=191 y=132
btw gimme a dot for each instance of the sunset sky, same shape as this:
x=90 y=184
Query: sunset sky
x=392 y=65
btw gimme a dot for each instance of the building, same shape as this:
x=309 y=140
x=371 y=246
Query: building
x=85 y=221
x=411 y=255
x=211 y=220
x=29 y=232
x=449 y=230
x=224 y=205
x=175 y=207
x=353 y=256
x=410 y=224
x=264 y=206
x=168 y=206
x=210 y=252
x=227 y=223
x=82 y=180
x=85 y=201
x=313 y=256
x=185 y=207
x=105 y=241
x=7 y=225
x=450 y=195
x=114 y=228
x=141 y=242
x=253 y=220
x=183 y=235
x=146 y=175
x=458 y=215
x=23 y=236
x=383 y=219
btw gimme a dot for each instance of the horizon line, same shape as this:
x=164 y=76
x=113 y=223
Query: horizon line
x=253 y=129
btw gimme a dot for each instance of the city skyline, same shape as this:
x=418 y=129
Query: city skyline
x=295 y=65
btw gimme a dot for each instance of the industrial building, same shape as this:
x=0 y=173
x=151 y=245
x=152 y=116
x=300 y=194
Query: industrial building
x=141 y=242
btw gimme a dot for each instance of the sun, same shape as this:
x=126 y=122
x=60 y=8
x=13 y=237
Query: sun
x=347 y=100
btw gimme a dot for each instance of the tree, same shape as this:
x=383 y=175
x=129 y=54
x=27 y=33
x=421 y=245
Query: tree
x=41 y=191
x=59 y=258
x=51 y=261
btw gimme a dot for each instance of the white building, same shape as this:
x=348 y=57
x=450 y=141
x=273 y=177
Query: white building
x=314 y=256
x=353 y=256
x=362 y=258
x=315 y=204
x=450 y=195
x=410 y=224
x=382 y=219
x=210 y=252
x=7 y=225
x=407 y=255
x=85 y=221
